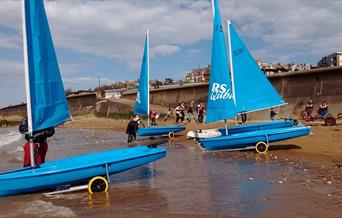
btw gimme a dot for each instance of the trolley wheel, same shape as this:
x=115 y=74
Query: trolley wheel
x=97 y=184
x=171 y=135
x=261 y=147
x=330 y=120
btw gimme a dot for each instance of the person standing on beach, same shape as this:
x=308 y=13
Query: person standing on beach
x=132 y=129
x=191 y=114
x=201 y=112
x=182 y=110
x=153 y=116
x=272 y=114
x=40 y=145
x=243 y=118
x=169 y=112
x=178 y=113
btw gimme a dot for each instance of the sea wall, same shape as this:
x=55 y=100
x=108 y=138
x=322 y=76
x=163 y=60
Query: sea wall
x=295 y=87
x=79 y=104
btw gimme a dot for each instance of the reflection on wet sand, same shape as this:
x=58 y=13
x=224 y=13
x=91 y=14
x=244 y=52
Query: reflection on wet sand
x=98 y=200
x=118 y=200
x=233 y=194
x=188 y=182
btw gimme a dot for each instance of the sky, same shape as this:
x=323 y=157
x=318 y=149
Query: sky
x=106 y=38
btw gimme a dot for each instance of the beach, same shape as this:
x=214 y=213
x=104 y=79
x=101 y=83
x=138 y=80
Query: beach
x=297 y=178
x=325 y=139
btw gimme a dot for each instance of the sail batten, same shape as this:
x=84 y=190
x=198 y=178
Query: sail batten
x=252 y=90
x=220 y=95
x=46 y=102
x=141 y=106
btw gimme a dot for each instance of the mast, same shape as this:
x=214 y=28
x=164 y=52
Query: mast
x=231 y=61
x=148 y=78
x=27 y=82
x=212 y=3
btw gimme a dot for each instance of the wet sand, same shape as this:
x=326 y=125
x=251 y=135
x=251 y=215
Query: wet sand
x=296 y=178
x=326 y=140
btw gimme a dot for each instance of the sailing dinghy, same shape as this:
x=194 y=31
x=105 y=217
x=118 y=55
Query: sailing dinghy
x=224 y=96
x=250 y=95
x=142 y=101
x=47 y=107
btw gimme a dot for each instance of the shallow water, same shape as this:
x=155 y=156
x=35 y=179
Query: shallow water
x=187 y=182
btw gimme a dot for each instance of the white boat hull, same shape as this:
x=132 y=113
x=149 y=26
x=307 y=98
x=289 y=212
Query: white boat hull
x=203 y=134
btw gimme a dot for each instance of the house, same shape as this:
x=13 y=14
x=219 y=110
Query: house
x=114 y=93
x=198 y=75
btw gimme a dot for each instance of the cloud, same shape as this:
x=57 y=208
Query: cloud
x=10 y=41
x=10 y=14
x=69 y=69
x=86 y=81
x=12 y=71
x=289 y=29
x=164 y=49
x=116 y=29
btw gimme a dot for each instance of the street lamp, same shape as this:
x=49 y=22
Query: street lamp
x=99 y=75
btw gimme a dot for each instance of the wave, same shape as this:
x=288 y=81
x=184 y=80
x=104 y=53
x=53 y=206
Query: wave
x=9 y=137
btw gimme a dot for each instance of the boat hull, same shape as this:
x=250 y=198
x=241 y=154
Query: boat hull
x=258 y=126
x=159 y=130
x=241 y=128
x=249 y=139
x=203 y=134
x=76 y=170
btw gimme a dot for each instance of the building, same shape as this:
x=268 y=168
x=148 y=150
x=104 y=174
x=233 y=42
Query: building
x=114 y=93
x=331 y=60
x=198 y=75
x=269 y=68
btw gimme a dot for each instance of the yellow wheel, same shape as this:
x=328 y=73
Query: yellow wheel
x=171 y=135
x=261 y=147
x=97 y=184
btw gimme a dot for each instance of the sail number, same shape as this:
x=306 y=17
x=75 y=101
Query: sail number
x=239 y=51
x=218 y=27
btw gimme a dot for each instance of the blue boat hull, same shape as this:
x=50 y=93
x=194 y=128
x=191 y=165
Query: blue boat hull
x=249 y=139
x=75 y=170
x=258 y=126
x=159 y=130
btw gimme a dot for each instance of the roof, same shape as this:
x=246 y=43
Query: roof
x=116 y=90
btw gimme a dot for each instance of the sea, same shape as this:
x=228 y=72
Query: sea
x=187 y=183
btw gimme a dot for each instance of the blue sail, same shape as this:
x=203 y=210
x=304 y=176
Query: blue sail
x=252 y=90
x=141 y=105
x=220 y=97
x=47 y=104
